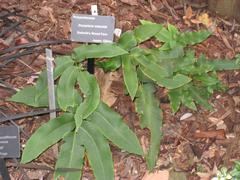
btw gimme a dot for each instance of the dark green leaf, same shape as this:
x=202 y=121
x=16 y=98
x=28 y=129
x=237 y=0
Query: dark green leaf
x=175 y=99
x=41 y=85
x=151 y=66
x=146 y=31
x=191 y=38
x=66 y=88
x=90 y=89
x=98 y=151
x=188 y=100
x=62 y=63
x=127 y=40
x=113 y=127
x=130 y=75
x=25 y=96
x=147 y=107
x=70 y=157
x=98 y=51
x=219 y=65
x=111 y=64
x=169 y=83
x=28 y=96
x=200 y=96
x=164 y=35
x=47 y=135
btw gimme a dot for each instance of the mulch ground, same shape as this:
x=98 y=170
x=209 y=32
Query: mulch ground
x=195 y=145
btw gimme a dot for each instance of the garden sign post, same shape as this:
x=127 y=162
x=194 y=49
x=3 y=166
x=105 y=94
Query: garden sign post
x=92 y=29
x=9 y=147
x=50 y=78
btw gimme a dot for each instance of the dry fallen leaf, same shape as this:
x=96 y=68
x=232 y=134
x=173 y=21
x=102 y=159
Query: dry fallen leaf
x=130 y=2
x=163 y=175
x=205 y=19
x=48 y=12
x=207 y=175
x=66 y=29
x=105 y=81
x=188 y=15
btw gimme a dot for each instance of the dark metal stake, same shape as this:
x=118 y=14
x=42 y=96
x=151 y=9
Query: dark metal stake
x=90 y=65
x=3 y=170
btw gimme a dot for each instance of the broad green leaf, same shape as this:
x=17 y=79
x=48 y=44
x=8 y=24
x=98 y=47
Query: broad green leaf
x=47 y=135
x=165 y=47
x=42 y=100
x=200 y=96
x=173 y=31
x=110 y=65
x=191 y=38
x=175 y=99
x=41 y=85
x=127 y=40
x=130 y=75
x=90 y=89
x=70 y=157
x=219 y=65
x=169 y=83
x=98 y=151
x=184 y=62
x=147 y=107
x=188 y=100
x=25 y=96
x=113 y=127
x=98 y=51
x=164 y=35
x=146 y=31
x=142 y=77
x=174 y=53
x=142 y=21
x=62 y=63
x=66 y=88
x=206 y=79
x=152 y=66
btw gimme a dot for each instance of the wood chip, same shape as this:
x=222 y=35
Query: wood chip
x=218 y=134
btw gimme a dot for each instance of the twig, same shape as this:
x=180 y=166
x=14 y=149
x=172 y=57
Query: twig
x=12 y=26
x=24 y=115
x=35 y=44
x=41 y=167
x=172 y=11
x=11 y=58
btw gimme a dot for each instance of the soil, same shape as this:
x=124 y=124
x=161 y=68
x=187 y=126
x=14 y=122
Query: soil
x=195 y=146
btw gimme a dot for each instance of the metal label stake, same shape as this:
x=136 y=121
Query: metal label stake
x=3 y=170
x=91 y=61
x=51 y=91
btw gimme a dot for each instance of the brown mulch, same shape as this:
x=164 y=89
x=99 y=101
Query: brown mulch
x=195 y=145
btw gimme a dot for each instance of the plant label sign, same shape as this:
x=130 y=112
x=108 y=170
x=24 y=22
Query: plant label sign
x=92 y=29
x=9 y=142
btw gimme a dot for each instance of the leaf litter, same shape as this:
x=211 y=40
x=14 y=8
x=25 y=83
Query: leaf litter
x=196 y=137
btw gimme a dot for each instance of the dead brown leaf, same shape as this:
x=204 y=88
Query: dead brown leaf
x=130 y=2
x=105 y=81
x=188 y=15
x=205 y=19
x=48 y=11
x=66 y=29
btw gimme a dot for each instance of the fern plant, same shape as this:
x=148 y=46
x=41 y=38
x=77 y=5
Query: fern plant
x=86 y=123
